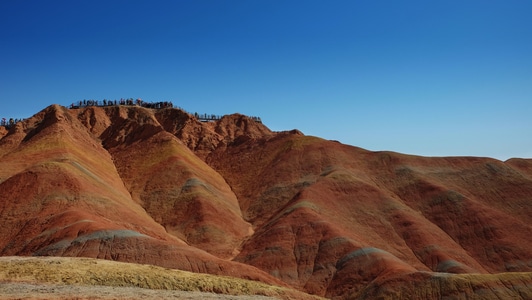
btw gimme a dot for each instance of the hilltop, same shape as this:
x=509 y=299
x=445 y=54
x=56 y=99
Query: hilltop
x=230 y=197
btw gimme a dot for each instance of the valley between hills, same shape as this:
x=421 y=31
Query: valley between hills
x=146 y=191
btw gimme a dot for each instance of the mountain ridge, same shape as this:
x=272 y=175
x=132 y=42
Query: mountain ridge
x=232 y=197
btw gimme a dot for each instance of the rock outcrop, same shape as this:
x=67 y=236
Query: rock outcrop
x=231 y=197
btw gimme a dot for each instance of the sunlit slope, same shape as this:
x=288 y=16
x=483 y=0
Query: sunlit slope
x=231 y=197
x=179 y=190
x=62 y=195
x=332 y=218
x=94 y=272
x=59 y=185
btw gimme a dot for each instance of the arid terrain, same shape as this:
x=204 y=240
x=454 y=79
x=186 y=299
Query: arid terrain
x=297 y=215
x=66 y=278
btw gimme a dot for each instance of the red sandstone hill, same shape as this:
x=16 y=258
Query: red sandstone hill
x=233 y=198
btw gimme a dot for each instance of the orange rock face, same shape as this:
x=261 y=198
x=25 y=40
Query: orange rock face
x=232 y=197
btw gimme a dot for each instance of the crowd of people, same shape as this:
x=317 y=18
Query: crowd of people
x=142 y=103
x=206 y=117
x=9 y=123
x=130 y=101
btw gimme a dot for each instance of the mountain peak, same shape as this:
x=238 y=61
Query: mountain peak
x=226 y=195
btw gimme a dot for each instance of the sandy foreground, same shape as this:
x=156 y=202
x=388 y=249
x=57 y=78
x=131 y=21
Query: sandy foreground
x=85 y=278
x=19 y=290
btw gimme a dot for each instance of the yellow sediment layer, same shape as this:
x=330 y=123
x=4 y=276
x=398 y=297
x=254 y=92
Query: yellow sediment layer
x=86 y=271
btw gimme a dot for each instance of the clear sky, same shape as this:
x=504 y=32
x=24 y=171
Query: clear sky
x=432 y=78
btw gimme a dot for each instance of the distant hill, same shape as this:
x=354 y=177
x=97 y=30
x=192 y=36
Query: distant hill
x=231 y=197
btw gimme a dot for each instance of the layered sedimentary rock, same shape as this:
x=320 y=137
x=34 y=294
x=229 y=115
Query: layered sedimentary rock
x=232 y=197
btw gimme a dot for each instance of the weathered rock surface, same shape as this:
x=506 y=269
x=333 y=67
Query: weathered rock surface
x=232 y=197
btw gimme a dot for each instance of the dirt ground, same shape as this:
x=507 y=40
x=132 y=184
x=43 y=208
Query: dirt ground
x=17 y=290
x=85 y=278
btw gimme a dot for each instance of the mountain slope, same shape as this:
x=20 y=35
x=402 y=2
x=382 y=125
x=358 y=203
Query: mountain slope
x=63 y=195
x=349 y=215
x=180 y=191
x=232 y=197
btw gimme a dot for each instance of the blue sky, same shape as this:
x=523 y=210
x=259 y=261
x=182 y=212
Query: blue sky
x=432 y=78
